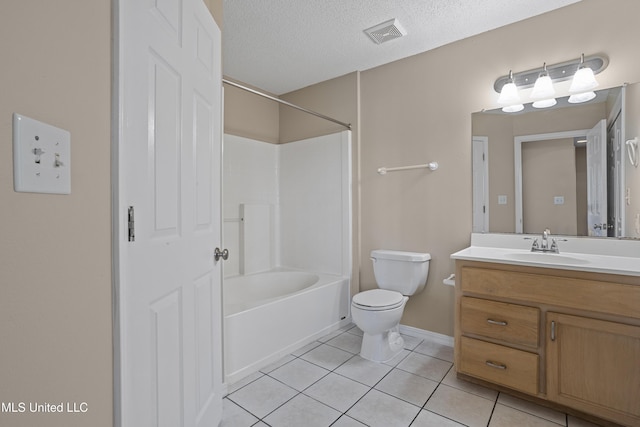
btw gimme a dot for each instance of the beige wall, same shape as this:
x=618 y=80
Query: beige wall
x=549 y=170
x=250 y=116
x=499 y=131
x=419 y=109
x=215 y=7
x=55 y=250
x=337 y=98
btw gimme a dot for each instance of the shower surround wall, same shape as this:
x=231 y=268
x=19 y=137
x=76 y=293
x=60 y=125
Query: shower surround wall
x=287 y=205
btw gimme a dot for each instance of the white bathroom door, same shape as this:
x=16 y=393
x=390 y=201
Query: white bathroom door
x=480 y=168
x=169 y=311
x=597 y=179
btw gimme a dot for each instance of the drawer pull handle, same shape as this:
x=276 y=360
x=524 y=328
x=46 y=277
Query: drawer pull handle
x=497 y=322
x=495 y=365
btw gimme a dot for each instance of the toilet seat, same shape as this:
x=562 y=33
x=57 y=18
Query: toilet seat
x=378 y=300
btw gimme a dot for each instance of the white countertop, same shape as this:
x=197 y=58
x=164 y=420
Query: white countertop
x=604 y=257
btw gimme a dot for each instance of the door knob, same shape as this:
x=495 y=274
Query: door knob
x=217 y=254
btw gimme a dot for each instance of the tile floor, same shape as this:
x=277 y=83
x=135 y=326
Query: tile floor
x=327 y=383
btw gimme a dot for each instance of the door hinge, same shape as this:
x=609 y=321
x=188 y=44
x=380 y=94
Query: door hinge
x=484 y=209
x=131 y=224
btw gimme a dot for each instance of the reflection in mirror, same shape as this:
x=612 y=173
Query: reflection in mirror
x=561 y=168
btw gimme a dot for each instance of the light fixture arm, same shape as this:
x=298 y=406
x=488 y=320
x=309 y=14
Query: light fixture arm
x=557 y=72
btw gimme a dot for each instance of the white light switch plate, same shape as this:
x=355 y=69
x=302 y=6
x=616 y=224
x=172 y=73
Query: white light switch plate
x=41 y=157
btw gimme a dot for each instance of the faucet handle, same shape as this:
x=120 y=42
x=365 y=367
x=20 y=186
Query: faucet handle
x=534 y=246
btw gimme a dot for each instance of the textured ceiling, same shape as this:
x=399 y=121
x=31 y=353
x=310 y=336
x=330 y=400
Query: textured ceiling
x=284 y=45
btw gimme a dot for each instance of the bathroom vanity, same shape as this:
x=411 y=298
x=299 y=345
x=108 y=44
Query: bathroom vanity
x=564 y=331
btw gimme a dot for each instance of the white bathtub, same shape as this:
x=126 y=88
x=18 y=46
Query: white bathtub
x=268 y=315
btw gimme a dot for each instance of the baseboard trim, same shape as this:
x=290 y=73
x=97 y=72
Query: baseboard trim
x=424 y=334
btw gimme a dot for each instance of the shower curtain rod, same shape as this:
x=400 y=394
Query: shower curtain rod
x=273 y=98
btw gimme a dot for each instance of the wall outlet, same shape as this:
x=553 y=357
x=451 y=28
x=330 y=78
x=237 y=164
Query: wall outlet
x=41 y=157
x=502 y=200
x=558 y=200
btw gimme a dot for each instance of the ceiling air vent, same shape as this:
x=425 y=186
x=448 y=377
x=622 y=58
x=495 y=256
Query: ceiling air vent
x=386 y=31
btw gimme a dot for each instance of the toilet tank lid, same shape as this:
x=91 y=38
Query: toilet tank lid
x=400 y=255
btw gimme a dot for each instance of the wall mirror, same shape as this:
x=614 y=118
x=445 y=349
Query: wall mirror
x=561 y=168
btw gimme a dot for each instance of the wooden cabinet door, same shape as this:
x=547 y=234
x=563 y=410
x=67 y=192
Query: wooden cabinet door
x=594 y=366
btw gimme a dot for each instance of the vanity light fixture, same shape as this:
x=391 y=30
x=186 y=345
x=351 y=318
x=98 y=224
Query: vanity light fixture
x=583 y=80
x=582 y=85
x=581 y=70
x=543 y=91
x=581 y=97
x=509 y=96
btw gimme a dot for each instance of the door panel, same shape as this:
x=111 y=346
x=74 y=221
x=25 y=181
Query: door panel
x=169 y=165
x=597 y=179
x=480 y=184
x=166 y=335
x=164 y=144
x=203 y=113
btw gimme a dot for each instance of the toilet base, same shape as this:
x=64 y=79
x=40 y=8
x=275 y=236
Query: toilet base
x=381 y=347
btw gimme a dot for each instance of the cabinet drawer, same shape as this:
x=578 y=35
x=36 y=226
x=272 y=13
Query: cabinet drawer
x=512 y=323
x=582 y=294
x=498 y=364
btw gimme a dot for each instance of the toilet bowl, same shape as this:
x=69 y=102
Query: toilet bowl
x=377 y=312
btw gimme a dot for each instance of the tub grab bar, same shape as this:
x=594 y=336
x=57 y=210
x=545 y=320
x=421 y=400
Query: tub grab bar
x=431 y=165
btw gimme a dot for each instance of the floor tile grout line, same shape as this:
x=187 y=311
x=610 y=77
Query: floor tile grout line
x=370 y=388
x=434 y=390
x=495 y=403
x=281 y=382
x=396 y=397
x=529 y=413
x=306 y=388
x=333 y=371
x=246 y=410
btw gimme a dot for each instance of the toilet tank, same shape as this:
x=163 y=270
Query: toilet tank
x=404 y=272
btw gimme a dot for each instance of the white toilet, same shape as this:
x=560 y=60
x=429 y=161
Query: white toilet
x=378 y=311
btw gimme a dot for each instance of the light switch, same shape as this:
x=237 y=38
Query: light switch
x=502 y=200
x=41 y=157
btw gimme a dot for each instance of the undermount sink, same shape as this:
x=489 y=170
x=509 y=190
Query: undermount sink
x=546 y=258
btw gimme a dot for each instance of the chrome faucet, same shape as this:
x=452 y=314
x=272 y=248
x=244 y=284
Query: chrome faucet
x=544 y=244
